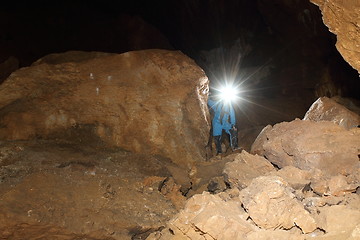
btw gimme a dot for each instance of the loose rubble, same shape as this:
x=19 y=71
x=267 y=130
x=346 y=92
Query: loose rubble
x=303 y=185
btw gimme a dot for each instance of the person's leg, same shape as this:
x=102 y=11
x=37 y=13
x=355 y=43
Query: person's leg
x=233 y=138
x=217 y=140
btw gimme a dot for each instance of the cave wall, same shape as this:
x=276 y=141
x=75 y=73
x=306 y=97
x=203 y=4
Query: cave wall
x=343 y=19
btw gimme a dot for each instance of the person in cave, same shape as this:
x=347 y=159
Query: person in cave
x=223 y=120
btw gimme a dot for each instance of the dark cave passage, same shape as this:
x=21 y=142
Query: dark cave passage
x=272 y=48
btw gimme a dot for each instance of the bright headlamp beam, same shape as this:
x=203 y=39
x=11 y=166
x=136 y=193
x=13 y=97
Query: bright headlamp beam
x=228 y=94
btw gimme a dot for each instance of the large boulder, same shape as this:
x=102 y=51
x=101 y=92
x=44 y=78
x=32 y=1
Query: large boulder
x=151 y=101
x=326 y=109
x=271 y=205
x=343 y=19
x=308 y=145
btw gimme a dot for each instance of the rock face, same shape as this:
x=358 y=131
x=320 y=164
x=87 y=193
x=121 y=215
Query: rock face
x=343 y=19
x=331 y=217
x=210 y=216
x=244 y=168
x=326 y=109
x=151 y=101
x=307 y=145
x=271 y=204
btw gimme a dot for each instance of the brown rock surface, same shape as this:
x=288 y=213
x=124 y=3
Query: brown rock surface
x=343 y=19
x=81 y=192
x=272 y=205
x=307 y=145
x=274 y=235
x=295 y=177
x=208 y=216
x=151 y=101
x=331 y=219
x=326 y=109
x=338 y=185
x=257 y=145
x=244 y=168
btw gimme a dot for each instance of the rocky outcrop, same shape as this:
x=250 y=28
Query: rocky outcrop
x=343 y=19
x=326 y=109
x=151 y=101
x=244 y=168
x=308 y=145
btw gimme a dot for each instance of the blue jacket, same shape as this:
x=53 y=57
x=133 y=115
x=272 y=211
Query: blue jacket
x=224 y=117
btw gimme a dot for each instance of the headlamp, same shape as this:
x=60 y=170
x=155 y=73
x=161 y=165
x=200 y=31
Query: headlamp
x=228 y=93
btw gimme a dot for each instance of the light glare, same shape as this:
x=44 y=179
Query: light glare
x=228 y=93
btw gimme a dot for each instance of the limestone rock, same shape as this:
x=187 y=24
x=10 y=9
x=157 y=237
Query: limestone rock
x=272 y=205
x=274 y=235
x=343 y=19
x=308 y=145
x=151 y=101
x=208 y=216
x=332 y=218
x=295 y=177
x=257 y=146
x=244 y=168
x=325 y=109
x=338 y=185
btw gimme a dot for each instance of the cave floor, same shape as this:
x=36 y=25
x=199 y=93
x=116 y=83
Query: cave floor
x=64 y=190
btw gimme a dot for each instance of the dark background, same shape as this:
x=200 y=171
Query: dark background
x=284 y=40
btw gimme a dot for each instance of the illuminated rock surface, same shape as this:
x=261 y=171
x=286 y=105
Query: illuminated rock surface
x=271 y=205
x=326 y=109
x=150 y=101
x=343 y=19
x=244 y=168
x=308 y=145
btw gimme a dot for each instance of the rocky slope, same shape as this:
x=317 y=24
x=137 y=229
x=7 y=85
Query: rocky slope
x=300 y=182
